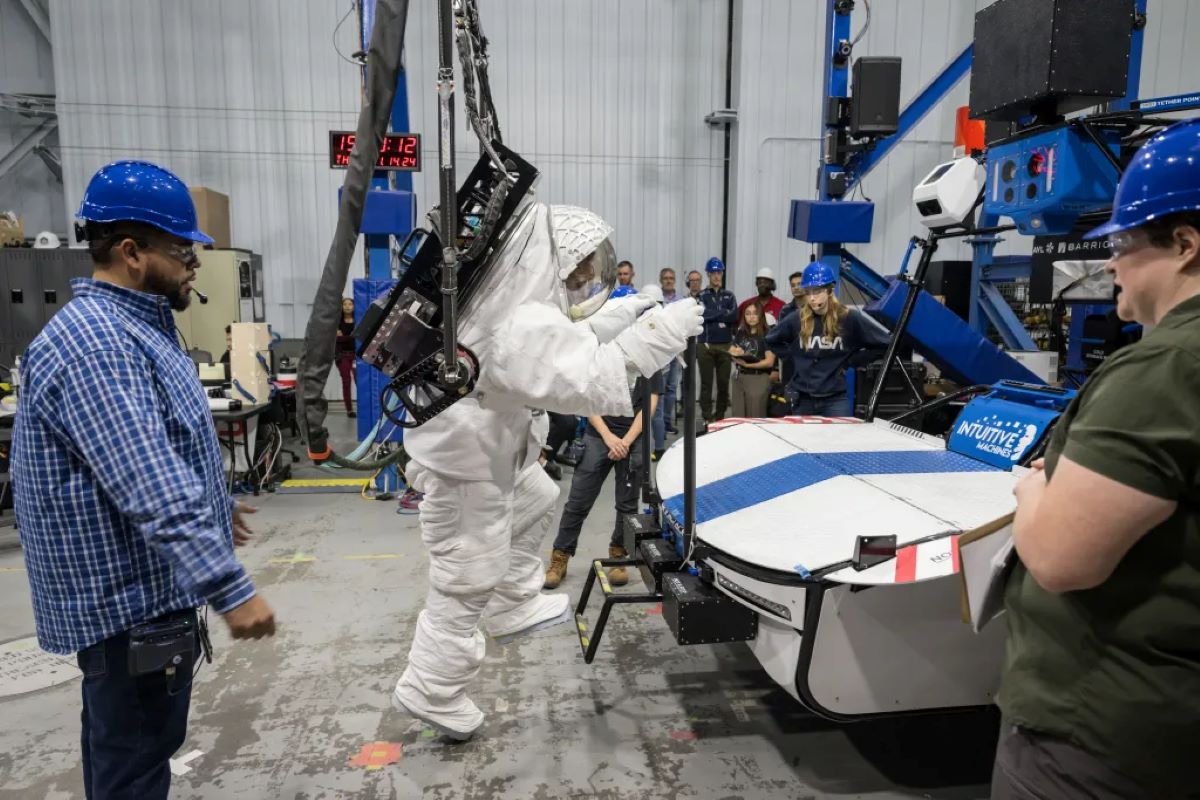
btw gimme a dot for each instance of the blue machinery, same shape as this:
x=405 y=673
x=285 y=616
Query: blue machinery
x=390 y=210
x=1081 y=158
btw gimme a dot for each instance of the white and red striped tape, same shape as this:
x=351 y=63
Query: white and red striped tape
x=920 y=562
x=912 y=564
x=731 y=421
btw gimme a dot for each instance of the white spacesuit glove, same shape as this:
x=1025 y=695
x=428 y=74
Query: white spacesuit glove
x=660 y=334
x=617 y=315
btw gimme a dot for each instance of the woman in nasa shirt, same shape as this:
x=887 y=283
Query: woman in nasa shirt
x=821 y=341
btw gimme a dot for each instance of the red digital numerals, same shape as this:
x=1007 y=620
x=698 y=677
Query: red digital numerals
x=395 y=152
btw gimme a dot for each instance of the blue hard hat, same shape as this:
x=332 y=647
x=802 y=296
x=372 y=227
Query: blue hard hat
x=622 y=290
x=714 y=265
x=816 y=275
x=138 y=191
x=1163 y=178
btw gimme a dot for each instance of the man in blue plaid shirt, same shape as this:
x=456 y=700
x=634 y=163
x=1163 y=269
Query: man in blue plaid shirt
x=118 y=485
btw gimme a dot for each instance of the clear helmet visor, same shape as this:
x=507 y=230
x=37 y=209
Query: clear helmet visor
x=587 y=286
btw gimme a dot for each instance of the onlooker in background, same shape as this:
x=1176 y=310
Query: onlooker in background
x=795 y=281
x=821 y=341
x=625 y=273
x=666 y=282
x=228 y=344
x=343 y=354
x=771 y=305
x=673 y=372
x=783 y=371
x=608 y=442
x=120 y=495
x=1100 y=692
x=658 y=424
x=695 y=283
x=720 y=317
x=754 y=362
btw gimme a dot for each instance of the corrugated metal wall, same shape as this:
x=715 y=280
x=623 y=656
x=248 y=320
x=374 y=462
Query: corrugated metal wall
x=26 y=68
x=779 y=116
x=607 y=97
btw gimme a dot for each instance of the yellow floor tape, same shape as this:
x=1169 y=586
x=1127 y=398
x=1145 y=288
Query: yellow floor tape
x=324 y=485
x=297 y=483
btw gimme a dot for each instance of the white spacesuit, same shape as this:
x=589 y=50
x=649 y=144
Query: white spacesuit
x=488 y=504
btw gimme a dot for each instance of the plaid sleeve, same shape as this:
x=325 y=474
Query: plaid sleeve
x=105 y=408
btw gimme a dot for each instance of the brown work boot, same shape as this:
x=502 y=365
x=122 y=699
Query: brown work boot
x=618 y=576
x=558 y=569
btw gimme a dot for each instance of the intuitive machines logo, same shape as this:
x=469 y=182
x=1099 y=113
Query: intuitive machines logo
x=1006 y=438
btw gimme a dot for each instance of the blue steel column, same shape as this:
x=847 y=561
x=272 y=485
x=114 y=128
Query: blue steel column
x=982 y=248
x=369 y=381
x=379 y=254
x=836 y=85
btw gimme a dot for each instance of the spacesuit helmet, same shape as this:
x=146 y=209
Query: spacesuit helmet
x=587 y=261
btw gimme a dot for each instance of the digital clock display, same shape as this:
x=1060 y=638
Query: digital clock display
x=398 y=151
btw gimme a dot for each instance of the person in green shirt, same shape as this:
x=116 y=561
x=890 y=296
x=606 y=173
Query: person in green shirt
x=1101 y=684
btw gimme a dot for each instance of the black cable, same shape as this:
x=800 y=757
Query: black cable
x=866 y=24
x=937 y=403
x=337 y=28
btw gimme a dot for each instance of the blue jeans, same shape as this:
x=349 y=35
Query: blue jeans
x=131 y=726
x=837 y=405
x=658 y=426
x=670 y=396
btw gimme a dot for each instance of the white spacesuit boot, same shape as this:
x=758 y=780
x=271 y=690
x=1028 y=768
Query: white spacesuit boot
x=465 y=526
x=518 y=606
x=446 y=653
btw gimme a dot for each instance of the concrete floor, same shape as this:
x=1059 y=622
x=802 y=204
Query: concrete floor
x=284 y=718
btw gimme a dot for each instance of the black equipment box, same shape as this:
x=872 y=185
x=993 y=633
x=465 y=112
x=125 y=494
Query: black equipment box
x=657 y=556
x=951 y=280
x=875 y=96
x=1049 y=57
x=637 y=527
x=897 y=396
x=34 y=286
x=698 y=613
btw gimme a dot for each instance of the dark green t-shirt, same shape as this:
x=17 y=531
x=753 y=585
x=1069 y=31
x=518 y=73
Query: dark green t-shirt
x=1116 y=669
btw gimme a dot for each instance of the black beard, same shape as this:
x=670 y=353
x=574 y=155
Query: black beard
x=178 y=300
x=169 y=289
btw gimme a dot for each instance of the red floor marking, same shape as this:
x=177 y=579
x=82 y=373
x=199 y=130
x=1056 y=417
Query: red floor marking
x=377 y=755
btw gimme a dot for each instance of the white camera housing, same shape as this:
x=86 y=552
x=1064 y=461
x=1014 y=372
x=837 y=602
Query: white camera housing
x=949 y=193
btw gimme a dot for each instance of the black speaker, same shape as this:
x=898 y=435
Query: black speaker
x=875 y=96
x=1049 y=57
x=952 y=281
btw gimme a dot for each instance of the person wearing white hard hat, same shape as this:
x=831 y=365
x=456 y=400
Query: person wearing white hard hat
x=764 y=283
x=548 y=337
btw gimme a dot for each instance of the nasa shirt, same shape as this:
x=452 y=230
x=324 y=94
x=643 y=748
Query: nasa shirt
x=819 y=365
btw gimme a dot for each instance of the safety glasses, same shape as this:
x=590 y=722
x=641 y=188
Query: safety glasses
x=185 y=254
x=1124 y=243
